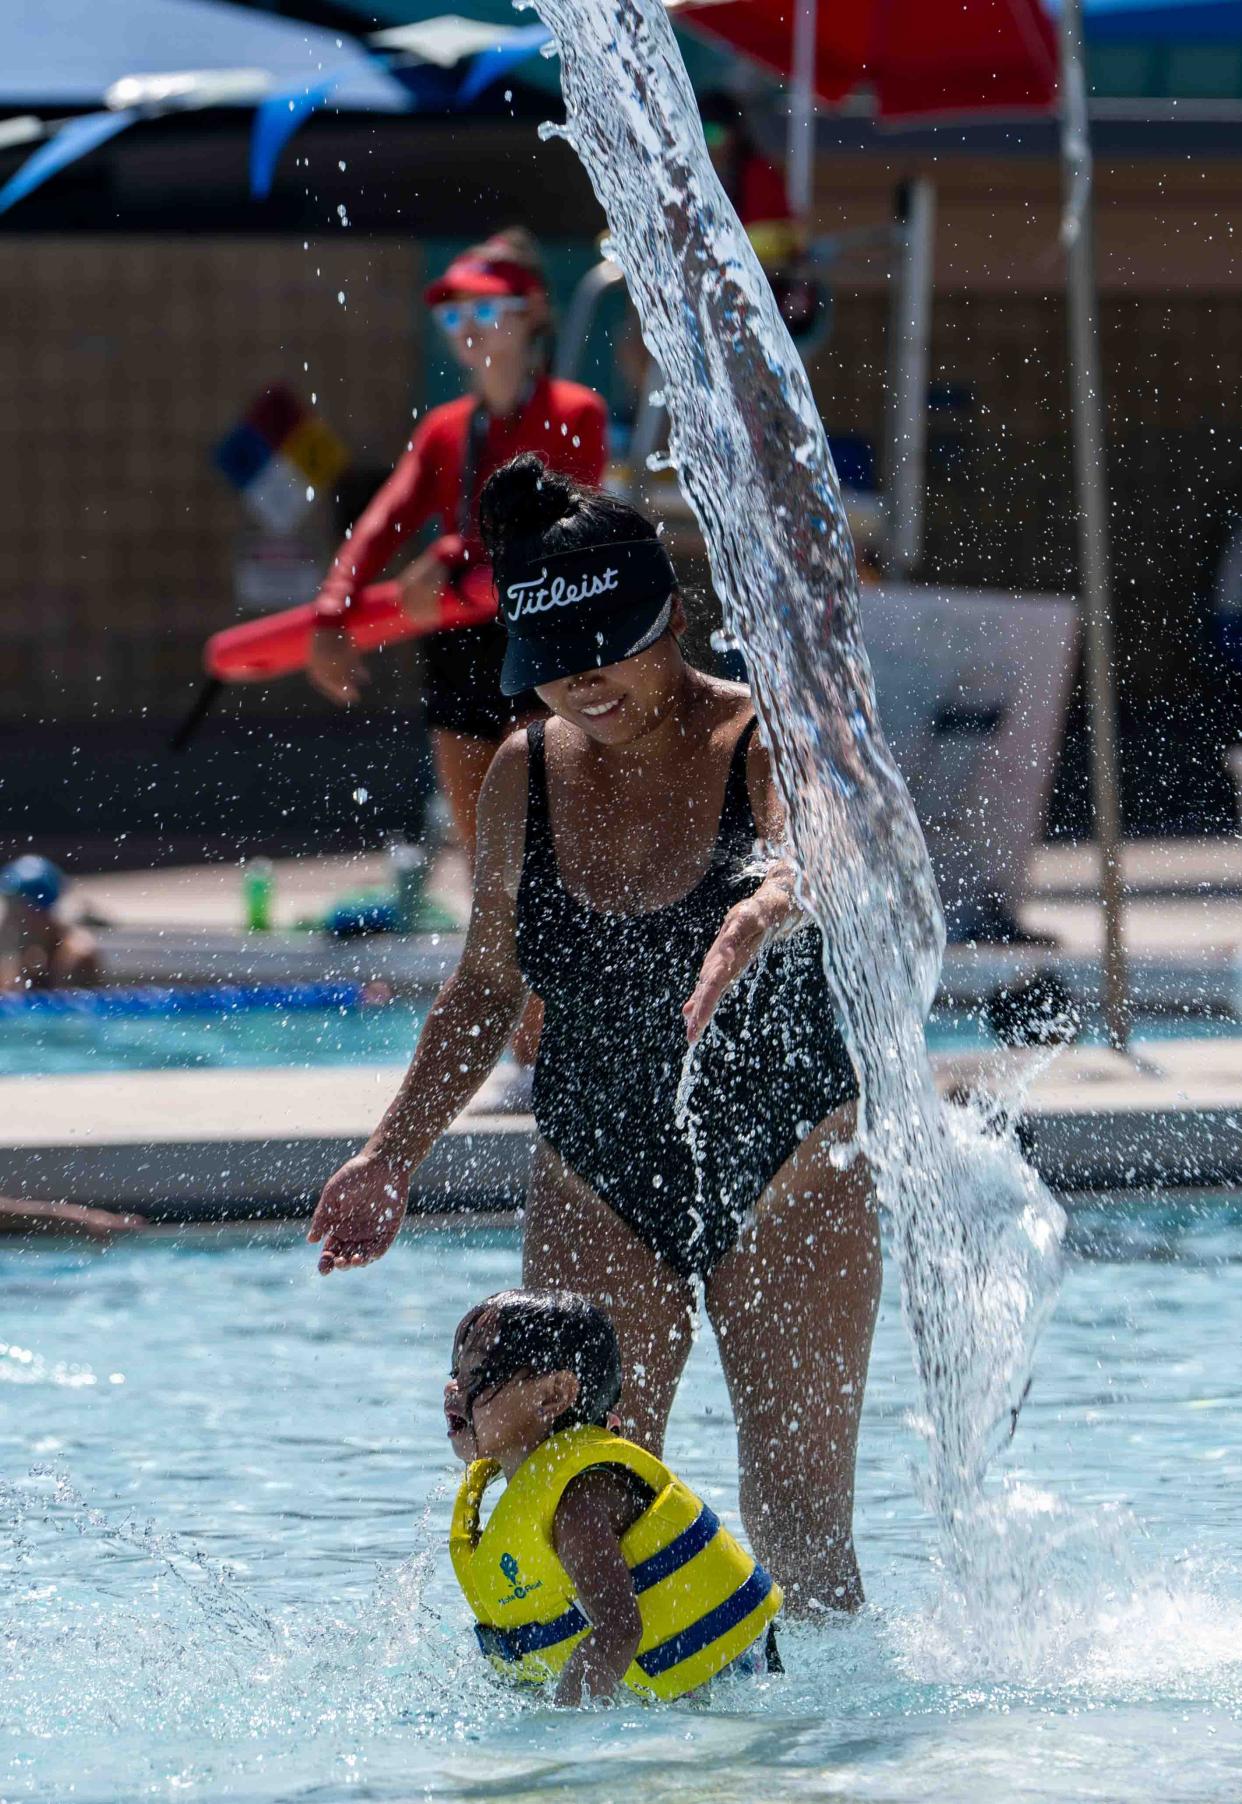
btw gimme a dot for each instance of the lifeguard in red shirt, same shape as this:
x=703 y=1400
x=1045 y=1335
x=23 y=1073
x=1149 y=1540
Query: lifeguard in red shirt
x=492 y=306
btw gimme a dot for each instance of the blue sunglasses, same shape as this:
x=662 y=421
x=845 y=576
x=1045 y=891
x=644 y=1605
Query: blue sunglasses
x=461 y=316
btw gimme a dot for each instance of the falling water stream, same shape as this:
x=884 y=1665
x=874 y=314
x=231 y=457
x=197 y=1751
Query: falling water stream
x=977 y=1235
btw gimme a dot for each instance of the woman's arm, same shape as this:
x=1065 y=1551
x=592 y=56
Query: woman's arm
x=362 y=1206
x=588 y=1546
x=750 y=923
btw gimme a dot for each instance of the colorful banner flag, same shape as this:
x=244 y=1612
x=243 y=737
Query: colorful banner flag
x=279 y=457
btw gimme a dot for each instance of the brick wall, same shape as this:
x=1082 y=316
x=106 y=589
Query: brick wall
x=121 y=362
x=123 y=359
x=999 y=486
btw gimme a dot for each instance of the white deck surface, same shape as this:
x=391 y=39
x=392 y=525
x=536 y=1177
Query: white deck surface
x=222 y=1140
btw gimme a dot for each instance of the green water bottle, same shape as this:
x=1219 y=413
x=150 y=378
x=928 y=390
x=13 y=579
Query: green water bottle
x=408 y=865
x=258 y=887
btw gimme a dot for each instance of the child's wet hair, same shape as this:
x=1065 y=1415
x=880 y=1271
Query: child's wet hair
x=539 y=1331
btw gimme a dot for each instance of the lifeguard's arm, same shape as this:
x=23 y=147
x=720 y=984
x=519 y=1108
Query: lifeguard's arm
x=470 y=1023
x=587 y=1534
x=750 y=922
x=399 y=508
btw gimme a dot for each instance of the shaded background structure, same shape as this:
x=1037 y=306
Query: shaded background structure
x=149 y=295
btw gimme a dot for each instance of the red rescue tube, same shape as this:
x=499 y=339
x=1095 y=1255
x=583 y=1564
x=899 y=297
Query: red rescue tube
x=278 y=644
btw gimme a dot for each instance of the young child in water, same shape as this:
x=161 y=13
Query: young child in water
x=597 y=1567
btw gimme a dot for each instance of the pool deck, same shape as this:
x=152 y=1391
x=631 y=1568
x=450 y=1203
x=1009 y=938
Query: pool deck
x=210 y=1145
x=1184 y=927
x=186 y=1145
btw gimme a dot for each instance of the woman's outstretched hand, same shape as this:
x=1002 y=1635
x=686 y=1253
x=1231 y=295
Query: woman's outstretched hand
x=740 y=937
x=742 y=932
x=360 y=1212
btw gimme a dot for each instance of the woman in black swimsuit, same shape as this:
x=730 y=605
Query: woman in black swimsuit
x=617 y=879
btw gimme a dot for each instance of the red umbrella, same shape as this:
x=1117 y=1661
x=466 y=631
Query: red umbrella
x=917 y=56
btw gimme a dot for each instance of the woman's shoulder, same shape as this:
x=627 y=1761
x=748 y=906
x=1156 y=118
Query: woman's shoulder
x=508 y=770
x=733 y=720
x=726 y=709
x=502 y=811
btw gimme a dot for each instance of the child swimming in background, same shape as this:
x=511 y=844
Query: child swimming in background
x=597 y=1567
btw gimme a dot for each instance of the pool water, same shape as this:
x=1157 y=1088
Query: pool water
x=38 y=1045
x=224 y=1496
x=368 y=1034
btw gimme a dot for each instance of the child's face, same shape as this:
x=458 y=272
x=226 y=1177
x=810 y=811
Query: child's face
x=508 y=1420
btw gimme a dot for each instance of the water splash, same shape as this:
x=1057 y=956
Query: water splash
x=977 y=1235
x=183 y=1652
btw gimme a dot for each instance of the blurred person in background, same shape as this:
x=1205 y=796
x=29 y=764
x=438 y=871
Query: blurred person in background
x=492 y=306
x=37 y=950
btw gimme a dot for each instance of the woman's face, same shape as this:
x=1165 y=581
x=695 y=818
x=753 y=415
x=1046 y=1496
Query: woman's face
x=621 y=702
x=484 y=337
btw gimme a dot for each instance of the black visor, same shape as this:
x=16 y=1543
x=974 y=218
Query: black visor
x=581 y=610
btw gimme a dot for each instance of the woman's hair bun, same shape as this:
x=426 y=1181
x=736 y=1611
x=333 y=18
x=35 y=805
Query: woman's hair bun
x=522 y=500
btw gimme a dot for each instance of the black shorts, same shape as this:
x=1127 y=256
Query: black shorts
x=461 y=684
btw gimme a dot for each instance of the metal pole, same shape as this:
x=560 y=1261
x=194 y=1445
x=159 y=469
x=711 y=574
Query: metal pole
x=572 y=342
x=1087 y=416
x=910 y=362
x=800 y=149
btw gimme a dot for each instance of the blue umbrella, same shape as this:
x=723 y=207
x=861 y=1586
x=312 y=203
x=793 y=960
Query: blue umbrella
x=437 y=63
x=141 y=58
x=1160 y=21
x=72 y=140
x=238 y=56
x=278 y=117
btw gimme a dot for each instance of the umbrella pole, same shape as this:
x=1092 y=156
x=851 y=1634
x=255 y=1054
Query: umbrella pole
x=800 y=147
x=909 y=362
x=1087 y=411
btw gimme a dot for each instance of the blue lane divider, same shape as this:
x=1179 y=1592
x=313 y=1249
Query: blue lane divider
x=159 y=1000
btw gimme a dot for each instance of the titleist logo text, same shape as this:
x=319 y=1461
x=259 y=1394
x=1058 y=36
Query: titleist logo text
x=538 y=595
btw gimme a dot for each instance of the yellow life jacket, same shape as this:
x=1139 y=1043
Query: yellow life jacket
x=702 y=1598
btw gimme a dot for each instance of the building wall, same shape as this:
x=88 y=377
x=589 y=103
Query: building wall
x=125 y=358
x=122 y=361
x=999 y=479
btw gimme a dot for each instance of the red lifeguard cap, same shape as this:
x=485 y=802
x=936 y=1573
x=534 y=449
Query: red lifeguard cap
x=481 y=275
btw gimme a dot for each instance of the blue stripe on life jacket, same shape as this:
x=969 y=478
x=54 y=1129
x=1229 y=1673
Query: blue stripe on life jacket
x=531 y=1637
x=513 y=1645
x=678 y=1553
x=708 y=1628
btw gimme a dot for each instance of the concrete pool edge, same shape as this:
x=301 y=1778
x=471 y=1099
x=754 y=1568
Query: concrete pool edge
x=217 y=1145
x=477 y=1166
x=416 y=964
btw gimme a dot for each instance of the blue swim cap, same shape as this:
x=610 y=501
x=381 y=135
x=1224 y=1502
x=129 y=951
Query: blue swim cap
x=36 y=880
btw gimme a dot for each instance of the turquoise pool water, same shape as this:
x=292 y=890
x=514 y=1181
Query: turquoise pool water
x=368 y=1034
x=227 y=1580
x=355 y=1035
